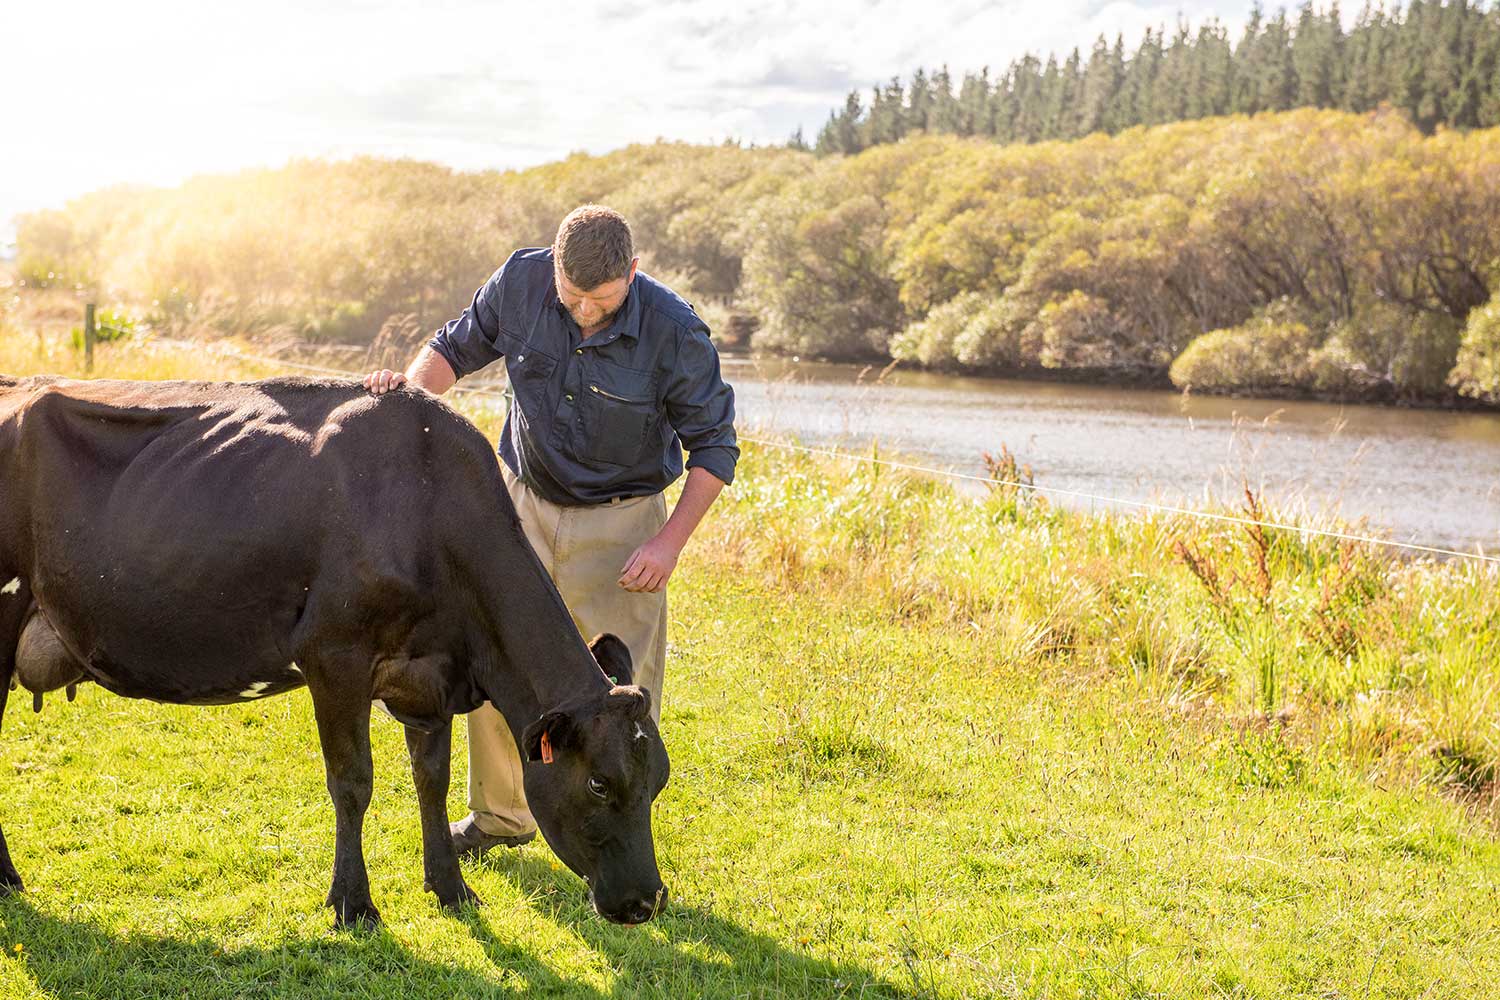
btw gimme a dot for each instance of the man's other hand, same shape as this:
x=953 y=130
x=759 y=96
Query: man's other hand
x=384 y=381
x=648 y=567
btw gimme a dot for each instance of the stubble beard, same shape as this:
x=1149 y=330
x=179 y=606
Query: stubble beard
x=601 y=322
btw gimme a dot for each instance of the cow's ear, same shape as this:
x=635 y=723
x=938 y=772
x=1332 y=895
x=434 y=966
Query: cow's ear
x=554 y=726
x=613 y=657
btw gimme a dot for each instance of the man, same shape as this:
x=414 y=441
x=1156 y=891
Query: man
x=613 y=375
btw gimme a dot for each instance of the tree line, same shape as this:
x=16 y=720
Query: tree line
x=1438 y=63
x=1303 y=252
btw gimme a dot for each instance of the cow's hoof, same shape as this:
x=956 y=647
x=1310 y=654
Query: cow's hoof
x=10 y=883
x=452 y=902
x=356 y=916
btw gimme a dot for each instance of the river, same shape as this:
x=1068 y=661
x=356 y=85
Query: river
x=1425 y=476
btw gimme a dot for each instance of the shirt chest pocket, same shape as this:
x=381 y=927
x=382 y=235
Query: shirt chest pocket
x=618 y=409
x=529 y=372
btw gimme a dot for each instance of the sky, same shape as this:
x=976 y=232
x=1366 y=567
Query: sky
x=155 y=91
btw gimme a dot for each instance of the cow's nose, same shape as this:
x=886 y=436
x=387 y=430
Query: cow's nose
x=644 y=909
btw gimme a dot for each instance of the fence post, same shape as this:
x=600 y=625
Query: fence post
x=89 y=336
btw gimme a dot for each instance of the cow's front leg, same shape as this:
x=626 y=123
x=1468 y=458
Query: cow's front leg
x=343 y=711
x=430 y=754
x=15 y=600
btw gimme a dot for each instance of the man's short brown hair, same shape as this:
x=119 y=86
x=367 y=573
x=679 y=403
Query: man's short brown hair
x=593 y=246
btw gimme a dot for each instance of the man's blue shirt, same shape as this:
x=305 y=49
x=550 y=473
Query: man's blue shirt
x=602 y=417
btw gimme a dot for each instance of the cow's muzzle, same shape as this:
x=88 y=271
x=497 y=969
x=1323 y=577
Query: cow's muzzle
x=631 y=912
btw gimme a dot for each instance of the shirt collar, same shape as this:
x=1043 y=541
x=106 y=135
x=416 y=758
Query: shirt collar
x=627 y=321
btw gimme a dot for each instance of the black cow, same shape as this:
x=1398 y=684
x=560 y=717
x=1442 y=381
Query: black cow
x=207 y=543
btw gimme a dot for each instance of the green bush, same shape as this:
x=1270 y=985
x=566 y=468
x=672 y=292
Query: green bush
x=1477 y=372
x=343 y=322
x=1387 y=350
x=1269 y=352
x=109 y=325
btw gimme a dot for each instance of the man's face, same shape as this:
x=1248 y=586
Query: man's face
x=594 y=307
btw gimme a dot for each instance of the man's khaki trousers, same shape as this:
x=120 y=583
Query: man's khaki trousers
x=584 y=549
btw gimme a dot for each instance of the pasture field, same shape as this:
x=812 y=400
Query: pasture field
x=923 y=746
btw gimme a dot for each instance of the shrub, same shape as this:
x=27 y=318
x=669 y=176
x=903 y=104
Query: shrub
x=1477 y=372
x=1270 y=351
x=109 y=325
x=1386 y=349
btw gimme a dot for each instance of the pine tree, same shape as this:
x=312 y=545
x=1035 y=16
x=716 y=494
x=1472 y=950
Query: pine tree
x=1026 y=91
x=1100 y=83
x=1247 y=97
x=1312 y=58
x=842 y=133
x=944 y=116
x=1357 y=92
x=1117 y=115
x=974 y=104
x=1049 y=99
x=886 y=121
x=1066 y=125
x=1278 y=85
x=1215 y=74
x=1486 y=67
x=1140 y=79
x=1003 y=106
x=1337 y=42
x=919 y=102
x=1175 y=93
x=1447 y=75
x=1413 y=94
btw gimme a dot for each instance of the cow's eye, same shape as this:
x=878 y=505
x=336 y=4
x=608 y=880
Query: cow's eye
x=598 y=787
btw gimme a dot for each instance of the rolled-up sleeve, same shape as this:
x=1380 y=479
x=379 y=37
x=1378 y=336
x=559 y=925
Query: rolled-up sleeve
x=700 y=406
x=472 y=341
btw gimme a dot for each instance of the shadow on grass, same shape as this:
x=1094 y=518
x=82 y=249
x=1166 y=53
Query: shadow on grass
x=686 y=951
x=77 y=958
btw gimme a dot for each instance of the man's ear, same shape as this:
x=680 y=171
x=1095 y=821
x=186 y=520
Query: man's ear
x=555 y=726
x=613 y=657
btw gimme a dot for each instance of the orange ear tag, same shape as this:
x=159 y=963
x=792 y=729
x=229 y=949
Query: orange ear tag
x=546 y=749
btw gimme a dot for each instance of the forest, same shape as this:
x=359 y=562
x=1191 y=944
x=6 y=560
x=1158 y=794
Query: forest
x=1308 y=252
x=1436 y=63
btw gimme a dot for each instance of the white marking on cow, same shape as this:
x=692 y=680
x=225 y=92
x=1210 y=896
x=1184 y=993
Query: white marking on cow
x=12 y=587
x=294 y=669
x=255 y=690
x=640 y=733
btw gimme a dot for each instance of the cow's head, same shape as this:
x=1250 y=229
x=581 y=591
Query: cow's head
x=593 y=767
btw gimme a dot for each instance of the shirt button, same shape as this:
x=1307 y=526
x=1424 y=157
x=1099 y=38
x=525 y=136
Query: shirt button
x=578 y=351
x=569 y=397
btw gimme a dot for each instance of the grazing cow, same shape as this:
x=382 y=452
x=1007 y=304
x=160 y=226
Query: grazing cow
x=208 y=543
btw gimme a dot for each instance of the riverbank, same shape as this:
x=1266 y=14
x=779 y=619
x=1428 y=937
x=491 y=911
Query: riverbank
x=1128 y=379
x=924 y=745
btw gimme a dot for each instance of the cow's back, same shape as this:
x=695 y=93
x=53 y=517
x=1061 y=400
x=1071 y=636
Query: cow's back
x=178 y=534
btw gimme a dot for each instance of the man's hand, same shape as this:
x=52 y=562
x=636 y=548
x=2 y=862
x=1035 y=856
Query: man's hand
x=647 y=569
x=384 y=381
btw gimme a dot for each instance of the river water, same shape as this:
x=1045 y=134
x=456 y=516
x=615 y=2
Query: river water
x=1425 y=476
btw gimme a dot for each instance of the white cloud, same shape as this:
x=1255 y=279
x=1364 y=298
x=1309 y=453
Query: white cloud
x=157 y=90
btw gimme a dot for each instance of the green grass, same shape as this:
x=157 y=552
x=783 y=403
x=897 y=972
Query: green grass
x=922 y=746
